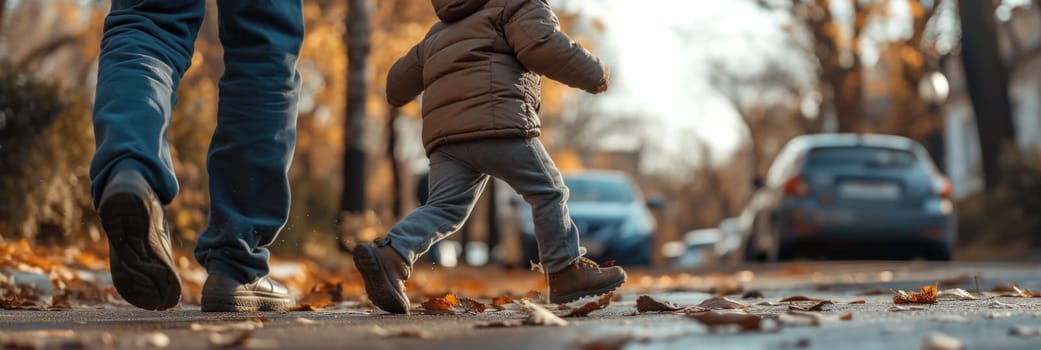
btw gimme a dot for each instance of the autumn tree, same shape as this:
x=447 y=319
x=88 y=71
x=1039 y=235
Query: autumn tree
x=987 y=79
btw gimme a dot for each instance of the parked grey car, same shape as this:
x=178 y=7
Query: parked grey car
x=850 y=196
x=612 y=216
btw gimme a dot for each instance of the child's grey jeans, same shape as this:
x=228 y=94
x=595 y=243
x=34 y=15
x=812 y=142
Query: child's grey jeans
x=458 y=175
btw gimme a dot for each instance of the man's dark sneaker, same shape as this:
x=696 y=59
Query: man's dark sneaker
x=138 y=243
x=583 y=278
x=384 y=272
x=222 y=293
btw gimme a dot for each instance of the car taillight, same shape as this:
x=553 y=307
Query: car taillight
x=796 y=187
x=943 y=187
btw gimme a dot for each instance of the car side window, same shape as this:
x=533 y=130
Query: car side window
x=782 y=164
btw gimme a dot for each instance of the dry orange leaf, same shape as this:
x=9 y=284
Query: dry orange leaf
x=584 y=310
x=647 y=304
x=847 y=317
x=926 y=296
x=858 y=302
x=472 y=306
x=503 y=300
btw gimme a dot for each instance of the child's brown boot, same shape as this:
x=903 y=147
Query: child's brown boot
x=581 y=279
x=384 y=272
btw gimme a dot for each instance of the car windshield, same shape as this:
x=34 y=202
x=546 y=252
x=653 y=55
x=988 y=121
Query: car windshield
x=598 y=190
x=860 y=156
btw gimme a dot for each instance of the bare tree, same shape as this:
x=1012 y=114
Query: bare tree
x=987 y=78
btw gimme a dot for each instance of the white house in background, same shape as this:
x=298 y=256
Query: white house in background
x=963 y=163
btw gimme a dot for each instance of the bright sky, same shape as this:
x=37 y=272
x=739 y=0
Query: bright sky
x=659 y=52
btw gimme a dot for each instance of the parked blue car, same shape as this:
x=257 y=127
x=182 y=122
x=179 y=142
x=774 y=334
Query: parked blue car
x=850 y=196
x=613 y=219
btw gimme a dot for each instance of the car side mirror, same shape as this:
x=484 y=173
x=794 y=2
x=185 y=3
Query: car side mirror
x=758 y=183
x=656 y=202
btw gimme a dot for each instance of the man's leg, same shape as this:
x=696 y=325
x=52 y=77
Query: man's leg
x=454 y=189
x=146 y=47
x=252 y=146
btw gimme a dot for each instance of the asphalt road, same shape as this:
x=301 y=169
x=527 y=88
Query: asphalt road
x=985 y=323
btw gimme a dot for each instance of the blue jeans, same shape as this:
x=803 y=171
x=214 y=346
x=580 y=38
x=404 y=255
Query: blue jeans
x=458 y=174
x=146 y=48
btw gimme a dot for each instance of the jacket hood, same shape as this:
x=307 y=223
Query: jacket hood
x=453 y=10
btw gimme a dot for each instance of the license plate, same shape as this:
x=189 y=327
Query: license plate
x=869 y=190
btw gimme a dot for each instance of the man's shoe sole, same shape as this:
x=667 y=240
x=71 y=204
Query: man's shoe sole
x=252 y=302
x=377 y=285
x=567 y=298
x=142 y=272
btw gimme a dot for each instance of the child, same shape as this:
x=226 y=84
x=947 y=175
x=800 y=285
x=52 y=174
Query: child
x=479 y=68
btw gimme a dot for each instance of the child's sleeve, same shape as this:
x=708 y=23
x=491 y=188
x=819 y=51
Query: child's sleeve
x=405 y=79
x=533 y=32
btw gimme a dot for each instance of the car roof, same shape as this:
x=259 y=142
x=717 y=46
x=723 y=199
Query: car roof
x=854 y=140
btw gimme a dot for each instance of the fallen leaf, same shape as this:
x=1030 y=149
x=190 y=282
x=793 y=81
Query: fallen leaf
x=584 y=310
x=333 y=290
x=1000 y=305
x=817 y=306
x=606 y=299
x=752 y=294
x=715 y=319
x=1025 y=331
x=846 y=317
x=956 y=294
x=230 y=341
x=897 y=308
x=940 y=341
x=1001 y=288
x=442 y=303
x=310 y=306
x=722 y=303
x=767 y=303
x=926 y=296
x=857 y=302
x=799 y=298
x=645 y=303
x=502 y=300
x=472 y=306
x=539 y=316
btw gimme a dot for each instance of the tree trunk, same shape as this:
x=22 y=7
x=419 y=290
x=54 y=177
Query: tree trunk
x=987 y=79
x=3 y=11
x=352 y=200
x=398 y=206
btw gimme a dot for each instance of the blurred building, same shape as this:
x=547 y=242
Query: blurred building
x=1020 y=42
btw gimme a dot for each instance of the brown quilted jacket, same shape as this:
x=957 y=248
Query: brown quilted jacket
x=478 y=69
